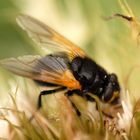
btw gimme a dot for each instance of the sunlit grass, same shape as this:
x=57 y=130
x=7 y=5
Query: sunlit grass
x=58 y=119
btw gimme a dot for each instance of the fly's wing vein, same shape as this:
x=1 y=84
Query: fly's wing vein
x=47 y=37
x=49 y=69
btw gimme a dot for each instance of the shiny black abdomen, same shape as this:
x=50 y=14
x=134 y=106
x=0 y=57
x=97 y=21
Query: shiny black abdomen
x=91 y=76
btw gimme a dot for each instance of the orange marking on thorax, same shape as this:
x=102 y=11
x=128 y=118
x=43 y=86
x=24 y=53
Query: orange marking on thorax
x=69 y=81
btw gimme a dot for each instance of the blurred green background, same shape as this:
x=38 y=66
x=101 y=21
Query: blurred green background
x=109 y=43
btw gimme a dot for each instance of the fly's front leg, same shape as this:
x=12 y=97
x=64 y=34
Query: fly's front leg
x=97 y=105
x=69 y=94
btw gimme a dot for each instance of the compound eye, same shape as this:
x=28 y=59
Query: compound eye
x=113 y=77
x=108 y=93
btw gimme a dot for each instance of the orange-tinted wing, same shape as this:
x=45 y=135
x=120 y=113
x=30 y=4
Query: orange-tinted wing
x=47 y=38
x=49 y=69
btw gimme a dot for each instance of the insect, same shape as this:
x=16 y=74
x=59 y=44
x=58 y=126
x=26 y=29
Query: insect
x=68 y=67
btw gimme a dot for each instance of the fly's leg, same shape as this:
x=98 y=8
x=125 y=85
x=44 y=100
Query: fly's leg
x=68 y=94
x=91 y=99
x=47 y=92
